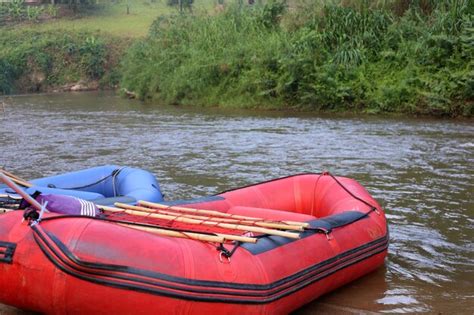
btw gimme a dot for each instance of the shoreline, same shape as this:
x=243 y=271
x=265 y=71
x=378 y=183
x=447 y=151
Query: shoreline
x=4 y=100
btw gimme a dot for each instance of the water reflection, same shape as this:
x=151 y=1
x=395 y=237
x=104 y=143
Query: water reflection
x=420 y=170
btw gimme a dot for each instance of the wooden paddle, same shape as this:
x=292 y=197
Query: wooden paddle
x=189 y=235
x=16 y=179
x=273 y=225
x=138 y=211
x=215 y=213
x=229 y=237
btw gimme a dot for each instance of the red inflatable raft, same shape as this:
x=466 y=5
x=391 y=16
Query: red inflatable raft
x=117 y=264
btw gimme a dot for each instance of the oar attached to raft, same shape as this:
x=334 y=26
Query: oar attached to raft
x=200 y=236
x=190 y=235
x=217 y=213
x=144 y=212
x=261 y=223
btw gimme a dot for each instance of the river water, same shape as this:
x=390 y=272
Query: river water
x=420 y=170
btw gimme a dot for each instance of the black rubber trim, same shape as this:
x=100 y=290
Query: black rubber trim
x=262 y=297
x=7 y=250
x=323 y=225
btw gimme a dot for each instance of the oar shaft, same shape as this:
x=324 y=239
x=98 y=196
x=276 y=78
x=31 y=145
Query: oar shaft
x=20 y=191
x=189 y=235
x=227 y=237
x=16 y=179
x=214 y=219
x=9 y=174
x=216 y=224
x=216 y=213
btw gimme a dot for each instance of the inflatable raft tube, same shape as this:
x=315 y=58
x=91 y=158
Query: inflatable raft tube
x=84 y=265
x=103 y=185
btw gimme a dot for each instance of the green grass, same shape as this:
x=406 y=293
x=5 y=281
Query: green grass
x=112 y=18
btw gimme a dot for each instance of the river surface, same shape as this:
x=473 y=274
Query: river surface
x=420 y=170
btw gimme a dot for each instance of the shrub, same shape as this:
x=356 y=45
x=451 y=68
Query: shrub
x=33 y=60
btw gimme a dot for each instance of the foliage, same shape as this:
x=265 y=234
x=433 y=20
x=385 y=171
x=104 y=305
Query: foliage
x=31 y=61
x=33 y=13
x=373 y=56
x=17 y=10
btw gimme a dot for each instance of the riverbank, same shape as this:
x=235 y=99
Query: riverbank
x=50 y=61
x=372 y=58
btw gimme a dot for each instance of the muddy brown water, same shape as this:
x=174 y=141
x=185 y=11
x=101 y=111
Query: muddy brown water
x=420 y=170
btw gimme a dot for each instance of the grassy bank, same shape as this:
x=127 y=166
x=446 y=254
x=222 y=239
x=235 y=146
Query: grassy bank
x=371 y=56
x=34 y=61
x=56 y=48
x=113 y=18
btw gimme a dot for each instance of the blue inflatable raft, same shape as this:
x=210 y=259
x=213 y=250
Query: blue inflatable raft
x=103 y=185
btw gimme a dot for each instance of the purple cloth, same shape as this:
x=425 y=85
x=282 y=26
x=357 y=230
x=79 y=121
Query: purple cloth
x=69 y=205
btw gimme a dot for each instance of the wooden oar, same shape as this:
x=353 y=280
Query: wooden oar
x=137 y=211
x=11 y=175
x=16 y=179
x=189 y=235
x=228 y=237
x=215 y=213
x=273 y=225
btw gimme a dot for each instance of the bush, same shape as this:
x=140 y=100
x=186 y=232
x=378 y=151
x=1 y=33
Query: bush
x=336 y=56
x=31 y=61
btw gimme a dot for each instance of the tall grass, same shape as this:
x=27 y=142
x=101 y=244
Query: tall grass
x=396 y=56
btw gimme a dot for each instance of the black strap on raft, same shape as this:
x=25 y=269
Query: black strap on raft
x=25 y=204
x=31 y=215
x=228 y=253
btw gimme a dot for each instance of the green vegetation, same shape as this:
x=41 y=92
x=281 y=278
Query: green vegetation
x=406 y=56
x=123 y=18
x=371 y=56
x=32 y=61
